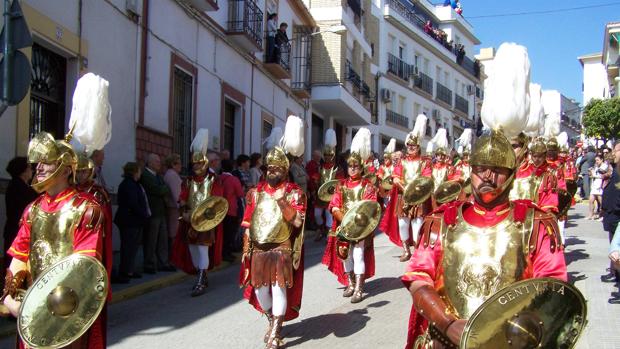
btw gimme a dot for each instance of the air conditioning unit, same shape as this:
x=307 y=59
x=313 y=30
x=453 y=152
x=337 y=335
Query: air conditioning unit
x=470 y=90
x=386 y=95
x=133 y=7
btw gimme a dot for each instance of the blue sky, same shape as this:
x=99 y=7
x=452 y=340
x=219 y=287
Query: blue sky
x=554 y=40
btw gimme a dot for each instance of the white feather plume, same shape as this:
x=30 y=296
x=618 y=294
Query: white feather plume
x=274 y=138
x=441 y=139
x=389 y=149
x=361 y=143
x=465 y=138
x=200 y=144
x=419 y=128
x=552 y=125
x=293 y=140
x=507 y=101
x=330 y=138
x=429 y=147
x=536 y=114
x=91 y=113
x=563 y=140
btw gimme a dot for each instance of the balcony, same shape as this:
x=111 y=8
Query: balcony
x=279 y=62
x=425 y=83
x=245 y=24
x=301 y=63
x=461 y=104
x=396 y=119
x=399 y=68
x=203 y=5
x=444 y=94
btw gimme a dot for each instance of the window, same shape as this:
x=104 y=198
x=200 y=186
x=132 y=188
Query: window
x=401 y=51
x=416 y=110
x=47 y=92
x=426 y=66
x=438 y=74
x=182 y=114
x=265 y=132
x=446 y=79
x=230 y=111
x=401 y=105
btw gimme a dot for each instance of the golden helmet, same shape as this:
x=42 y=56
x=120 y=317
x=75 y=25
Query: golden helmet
x=538 y=146
x=354 y=158
x=44 y=148
x=412 y=139
x=199 y=157
x=552 y=144
x=521 y=138
x=493 y=150
x=84 y=163
x=277 y=157
x=441 y=151
x=329 y=151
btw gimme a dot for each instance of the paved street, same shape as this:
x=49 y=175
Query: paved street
x=221 y=319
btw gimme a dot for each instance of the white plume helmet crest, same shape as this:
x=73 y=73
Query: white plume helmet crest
x=200 y=144
x=330 y=138
x=292 y=142
x=552 y=125
x=274 y=138
x=391 y=147
x=507 y=100
x=429 y=147
x=360 y=143
x=440 y=141
x=464 y=140
x=536 y=114
x=419 y=128
x=91 y=113
x=563 y=140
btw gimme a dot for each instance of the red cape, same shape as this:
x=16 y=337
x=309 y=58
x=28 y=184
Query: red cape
x=334 y=263
x=181 y=256
x=389 y=222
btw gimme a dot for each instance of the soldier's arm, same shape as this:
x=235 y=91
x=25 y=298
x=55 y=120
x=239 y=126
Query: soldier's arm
x=293 y=207
x=335 y=205
x=88 y=236
x=18 y=277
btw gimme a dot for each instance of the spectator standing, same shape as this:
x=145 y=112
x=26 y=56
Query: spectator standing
x=233 y=192
x=298 y=172
x=282 y=45
x=173 y=180
x=611 y=213
x=585 y=164
x=18 y=195
x=156 y=237
x=272 y=28
x=131 y=216
x=98 y=156
x=596 y=187
x=242 y=172
x=256 y=162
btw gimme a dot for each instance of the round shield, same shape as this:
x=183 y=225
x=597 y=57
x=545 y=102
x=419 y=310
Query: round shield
x=467 y=186
x=371 y=177
x=327 y=190
x=447 y=191
x=534 y=313
x=564 y=201
x=209 y=213
x=387 y=183
x=360 y=220
x=418 y=191
x=63 y=302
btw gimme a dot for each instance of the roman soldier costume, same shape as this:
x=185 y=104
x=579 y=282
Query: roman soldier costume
x=462 y=168
x=272 y=267
x=402 y=221
x=327 y=172
x=352 y=261
x=469 y=251
x=72 y=221
x=196 y=250
x=441 y=171
x=385 y=172
x=558 y=168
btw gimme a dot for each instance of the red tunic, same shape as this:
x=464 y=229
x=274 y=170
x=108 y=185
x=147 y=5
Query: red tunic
x=425 y=265
x=293 y=294
x=87 y=240
x=389 y=222
x=330 y=256
x=181 y=256
x=547 y=197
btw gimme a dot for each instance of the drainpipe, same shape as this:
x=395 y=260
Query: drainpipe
x=143 y=59
x=252 y=106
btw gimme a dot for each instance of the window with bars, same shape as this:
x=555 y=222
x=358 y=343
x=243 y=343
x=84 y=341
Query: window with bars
x=183 y=114
x=266 y=131
x=230 y=110
x=47 y=92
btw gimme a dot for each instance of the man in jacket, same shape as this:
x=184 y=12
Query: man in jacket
x=611 y=207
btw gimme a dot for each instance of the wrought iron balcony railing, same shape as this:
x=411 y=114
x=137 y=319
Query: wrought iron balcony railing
x=444 y=94
x=425 y=83
x=398 y=67
x=396 y=119
x=461 y=104
x=244 y=16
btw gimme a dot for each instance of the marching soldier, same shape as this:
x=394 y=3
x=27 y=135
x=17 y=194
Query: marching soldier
x=327 y=172
x=272 y=267
x=385 y=172
x=63 y=220
x=353 y=260
x=402 y=221
x=469 y=251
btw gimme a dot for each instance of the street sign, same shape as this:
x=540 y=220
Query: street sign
x=20 y=34
x=20 y=82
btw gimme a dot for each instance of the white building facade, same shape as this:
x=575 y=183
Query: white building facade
x=555 y=103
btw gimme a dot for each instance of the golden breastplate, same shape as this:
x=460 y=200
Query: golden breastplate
x=199 y=191
x=465 y=172
x=351 y=195
x=268 y=225
x=411 y=170
x=526 y=188
x=388 y=171
x=51 y=235
x=439 y=176
x=478 y=262
x=327 y=174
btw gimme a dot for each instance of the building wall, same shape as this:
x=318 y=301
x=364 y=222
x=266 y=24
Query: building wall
x=595 y=84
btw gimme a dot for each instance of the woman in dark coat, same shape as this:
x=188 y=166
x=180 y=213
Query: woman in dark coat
x=18 y=195
x=130 y=218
